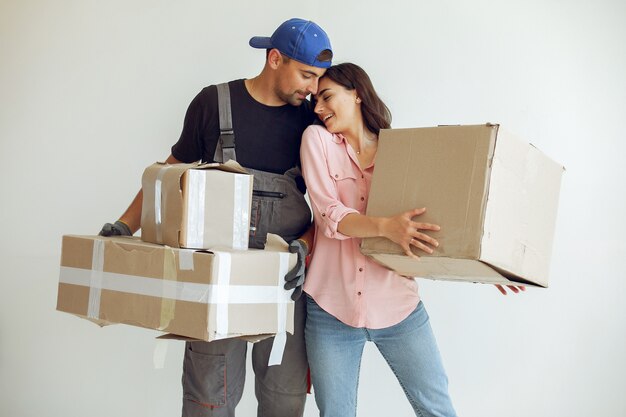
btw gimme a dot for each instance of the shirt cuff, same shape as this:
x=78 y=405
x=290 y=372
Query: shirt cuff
x=331 y=219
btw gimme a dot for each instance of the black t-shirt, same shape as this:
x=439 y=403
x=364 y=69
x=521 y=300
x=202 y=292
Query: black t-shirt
x=266 y=138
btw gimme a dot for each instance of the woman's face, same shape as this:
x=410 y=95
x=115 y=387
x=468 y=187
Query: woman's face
x=337 y=106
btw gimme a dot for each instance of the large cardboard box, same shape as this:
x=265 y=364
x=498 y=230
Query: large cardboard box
x=494 y=195
x=198 y=294
x=196 y=205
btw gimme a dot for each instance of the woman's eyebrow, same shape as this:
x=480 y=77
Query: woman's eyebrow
x=322 y=92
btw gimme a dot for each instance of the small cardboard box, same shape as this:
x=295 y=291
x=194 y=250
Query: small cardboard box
x=494 y=195
x=198 y=294
x=197 y=206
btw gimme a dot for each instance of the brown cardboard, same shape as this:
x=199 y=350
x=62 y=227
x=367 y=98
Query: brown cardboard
x=198 y=294
x=494 y=195
x=201 y=206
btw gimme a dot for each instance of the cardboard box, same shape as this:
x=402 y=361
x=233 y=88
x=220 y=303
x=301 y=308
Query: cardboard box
x=196 y=206
x=494 y=195
x=198 y=294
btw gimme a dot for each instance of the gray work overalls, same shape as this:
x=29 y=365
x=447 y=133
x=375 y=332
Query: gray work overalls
x=214 y=373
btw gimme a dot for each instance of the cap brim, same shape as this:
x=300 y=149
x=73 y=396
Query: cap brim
x=261 y=42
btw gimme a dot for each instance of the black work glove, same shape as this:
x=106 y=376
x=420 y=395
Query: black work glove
x=116 y=229
x=295 y=277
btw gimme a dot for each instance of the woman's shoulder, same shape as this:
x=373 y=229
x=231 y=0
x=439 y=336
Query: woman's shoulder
x=317 y=133
x=317 y=130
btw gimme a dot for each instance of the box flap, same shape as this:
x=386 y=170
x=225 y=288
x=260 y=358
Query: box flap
x=228 y=166
x=247 y=338
x=448 y=269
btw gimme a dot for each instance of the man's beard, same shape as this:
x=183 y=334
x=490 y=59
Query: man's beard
x=295 y=98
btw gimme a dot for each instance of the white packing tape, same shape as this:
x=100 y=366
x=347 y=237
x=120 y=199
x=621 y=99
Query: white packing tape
x=185 y=260
x=158 y=203
x=241 y=219
x=280 y=340
x=95 y=279
x=168 y=294
x=222 y=293
x=196 y=194
x=183 y=291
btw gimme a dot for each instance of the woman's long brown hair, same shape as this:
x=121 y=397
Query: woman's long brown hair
x=376 y=114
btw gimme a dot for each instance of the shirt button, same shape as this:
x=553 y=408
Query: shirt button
x=360 y=270
x=362 y=176
x=362 y=198
x=323 y=214
x=336 y=176
x=359 y=293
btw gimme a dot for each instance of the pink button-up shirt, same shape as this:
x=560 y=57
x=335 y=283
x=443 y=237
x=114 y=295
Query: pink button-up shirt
x=341 y=280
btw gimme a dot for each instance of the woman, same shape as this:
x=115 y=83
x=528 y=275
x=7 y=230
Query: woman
x=350 y=298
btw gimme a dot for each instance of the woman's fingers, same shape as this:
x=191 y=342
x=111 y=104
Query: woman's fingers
x=420 y=245
x=513 y=288
x=423 y=237
x=416 y=212
x=427 y=226
x=500 y=288
x=408 y=252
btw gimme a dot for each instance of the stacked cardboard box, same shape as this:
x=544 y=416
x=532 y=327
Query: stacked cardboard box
x=204 y=295
x=197 y=206
x=494 y=195
x=218 y=290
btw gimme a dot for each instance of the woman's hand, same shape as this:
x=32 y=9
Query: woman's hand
x=402 y=230
x=513 y=288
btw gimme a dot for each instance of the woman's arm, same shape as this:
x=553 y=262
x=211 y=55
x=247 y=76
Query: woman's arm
x=400 y=229
x=336 y=220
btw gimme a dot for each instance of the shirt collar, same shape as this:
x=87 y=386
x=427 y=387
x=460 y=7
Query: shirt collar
x=338 y=138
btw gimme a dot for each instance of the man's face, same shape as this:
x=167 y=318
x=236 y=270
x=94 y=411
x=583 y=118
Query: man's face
x=296 y=81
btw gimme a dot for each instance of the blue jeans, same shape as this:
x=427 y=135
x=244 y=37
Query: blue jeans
x=335 y=349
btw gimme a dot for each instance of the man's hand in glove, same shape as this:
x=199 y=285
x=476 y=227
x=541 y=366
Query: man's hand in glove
x=116 y=229
x=295 y=277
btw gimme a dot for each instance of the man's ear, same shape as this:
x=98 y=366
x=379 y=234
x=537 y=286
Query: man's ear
x=274 y=58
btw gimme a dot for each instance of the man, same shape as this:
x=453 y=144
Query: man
x=269 y=114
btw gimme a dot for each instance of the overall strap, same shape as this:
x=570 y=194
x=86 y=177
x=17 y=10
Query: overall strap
x=225 y=149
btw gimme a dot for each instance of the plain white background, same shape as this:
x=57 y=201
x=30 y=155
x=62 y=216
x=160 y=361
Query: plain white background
x=91 y=92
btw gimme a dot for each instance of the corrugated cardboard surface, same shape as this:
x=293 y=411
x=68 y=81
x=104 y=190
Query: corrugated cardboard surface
x=491 y=193
x=174 y=290
x=220 y=212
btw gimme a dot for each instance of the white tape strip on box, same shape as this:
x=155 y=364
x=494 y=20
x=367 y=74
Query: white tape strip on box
x=95 y=279
x=158 y=195
x=222 y=265
x=280 y=340
x=241 y=219
x=195 y=209
x=184 y=291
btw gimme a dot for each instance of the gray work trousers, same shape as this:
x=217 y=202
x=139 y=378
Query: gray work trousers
x=214 y=374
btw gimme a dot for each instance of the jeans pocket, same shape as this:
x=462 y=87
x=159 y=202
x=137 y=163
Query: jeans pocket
x=204 y=378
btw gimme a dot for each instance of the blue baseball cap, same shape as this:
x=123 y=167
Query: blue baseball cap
x=299 y=39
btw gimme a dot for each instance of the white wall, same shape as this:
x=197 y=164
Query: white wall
x=93 y=91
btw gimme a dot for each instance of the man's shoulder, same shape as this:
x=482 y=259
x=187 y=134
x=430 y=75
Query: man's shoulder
x=207 y=97
x=211 y=90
